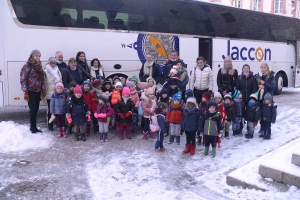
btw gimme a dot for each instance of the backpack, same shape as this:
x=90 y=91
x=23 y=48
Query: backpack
x=154 y=123
x=140 y=109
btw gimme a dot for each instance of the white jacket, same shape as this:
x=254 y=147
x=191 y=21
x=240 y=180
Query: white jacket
x=50 y=83
x=202 y=80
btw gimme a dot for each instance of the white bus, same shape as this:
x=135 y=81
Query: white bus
x=124 y=31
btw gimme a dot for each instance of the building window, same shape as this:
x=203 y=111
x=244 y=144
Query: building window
x=237 y=3
x=256 y=5
x=278 y=6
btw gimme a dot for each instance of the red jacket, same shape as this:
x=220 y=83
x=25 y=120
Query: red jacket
x=175 y=113
x=222 y=111
x=89 y=98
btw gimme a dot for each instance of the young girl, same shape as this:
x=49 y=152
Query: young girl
x=125 y=108
x=164 y=96
x=151 y=82
x=135 y=98
x=148 y=105
x=103 y=114
x=219 y=100
x=58 y=108
x=123 y=81
x=160 y=111
x=116 y=95
x=89 y=98
x=78 y=113
x=202 y=107
x=97 y=85
x=191 y=124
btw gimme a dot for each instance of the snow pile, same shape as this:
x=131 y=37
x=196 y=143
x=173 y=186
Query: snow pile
x=16 y=137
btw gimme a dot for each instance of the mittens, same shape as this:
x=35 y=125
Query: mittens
x=102 y=115
x=96 y=115
x=128 y=114
x=88 y=117
x=121 y=115
x=51 y=118
x=69 y=119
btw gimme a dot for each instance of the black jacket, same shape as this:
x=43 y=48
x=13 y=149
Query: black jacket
x=155 y=73
x=80 y=75
x=239 y=108
x=247 y=85
x=169 y=65
x=67 y=77
x=253 y=113
x=122 y=107
x=269 y=112
x=226 y=81
x=62 y=65
x=230 y=112
x=85 y=70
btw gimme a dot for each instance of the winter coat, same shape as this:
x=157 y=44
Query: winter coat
x=174 y=113
x=253 y=113
x=67 y=77
x=202 y=108
x=269 y=112
x=270 y=84
x=163 y=124
x=78 y=71
x=115 y=97
x=173 y=81
x=148 y=106
x=58 y=103
x=201 y=79
x=61 y=65
x=192 y=120
x=106 y=110
x=85 y=70
x=29 y=79
x=155 y=73
x=135 y=98
x=239 y=107
x=89 y=98
x=222 y=111
x=184 y=77
x=78 y=110
x=212 y=124
x=247 y=85
x=230 y=112
x=69 y=93
x=226 y=80
x=95 y=73
x=122 y=107
x=169 y=65
x=50 y=84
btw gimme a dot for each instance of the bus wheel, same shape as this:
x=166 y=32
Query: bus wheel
x=279 y=84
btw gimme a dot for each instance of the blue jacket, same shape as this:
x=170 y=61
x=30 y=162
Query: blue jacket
x=78 y=110
x=269 y=112
x=162 y=123
x=58 y=103
x=191 y=120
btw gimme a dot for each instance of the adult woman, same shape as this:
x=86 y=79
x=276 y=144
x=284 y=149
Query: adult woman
x=53 y=76
x=82 y=65
x=75 y=71
x=149 y=69
x=96 y=69
x=33 y=86
x=201 y=79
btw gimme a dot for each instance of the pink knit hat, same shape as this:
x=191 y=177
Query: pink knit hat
x=59 y=85
x=126 y=90
x=149 y=91
x=77 y=89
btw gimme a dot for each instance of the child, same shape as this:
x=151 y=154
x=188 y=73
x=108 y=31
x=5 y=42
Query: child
x=174 y=117
x=230 y=113
x=174 y=83
x=268 y=116
x=70 y=93
x=103 y=113
x=142 y=86
x=123 y=81
x=188 y=93
x=78 y=113
x=89 y=98
x=239 y=109
x=164 y=96
x=116 y=95
x=202 y=108
x=125 y=108
x=148 y=105
x=218 y=99
x=211 y=127
x=135 y=98
x=191 y=124
x=97 y=84
x=151 y=82
x=160 y=111
x=115 y=80
x=252 y=115
x=58 y=108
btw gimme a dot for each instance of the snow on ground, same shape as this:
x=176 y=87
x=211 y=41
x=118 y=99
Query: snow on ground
x=144 y=175
x=16 y=137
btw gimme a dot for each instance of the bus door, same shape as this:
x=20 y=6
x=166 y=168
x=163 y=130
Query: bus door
x=2 y=62
x=205 y=49
x=189 y=51
x=297 y=71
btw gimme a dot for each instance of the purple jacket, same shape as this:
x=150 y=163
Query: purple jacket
x=107 y=110
x=29 y=79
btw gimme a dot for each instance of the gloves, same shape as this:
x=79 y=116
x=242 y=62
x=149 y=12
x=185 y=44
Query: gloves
x=43 y=95
x=26 y=96
x=102 y=115
x=88 y=117
x=96 y=115
x=128 y=114
x=254 y=124
x=69 y=119
x=51 y=118
x=121 y=115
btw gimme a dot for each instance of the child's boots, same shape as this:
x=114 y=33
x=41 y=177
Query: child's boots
x=213 y=152
x=193 y=147
x=105 y=137
x=206 y=151
x=101 y=137
x=187 y=148
x=171 y=140
x=178 y=140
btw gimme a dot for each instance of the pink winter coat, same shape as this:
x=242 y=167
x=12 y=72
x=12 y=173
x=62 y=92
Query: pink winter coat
x=147 y=106
x=135 y=98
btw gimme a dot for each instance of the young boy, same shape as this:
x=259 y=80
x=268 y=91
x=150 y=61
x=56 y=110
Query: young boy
x=268 y=116
x=211 y=127
x=230 y=113
x=253 y=114
x=191 y=124
x=174 y=117
x=239 y=110
x=97 y=84
x=164 y=96
x=202 y=108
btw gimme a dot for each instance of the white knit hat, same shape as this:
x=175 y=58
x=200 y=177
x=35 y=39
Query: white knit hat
x=217 y=94
x=118 y=84
x=192 y=100
x=174 y=71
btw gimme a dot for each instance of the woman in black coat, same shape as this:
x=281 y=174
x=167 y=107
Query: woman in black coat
x=82 y=64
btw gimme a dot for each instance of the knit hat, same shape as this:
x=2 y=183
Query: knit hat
x=189 y=93
x=126 y=90
x=228 y=96
x=149 y=91
x=177 y=96
x=212 y=103
x=245 y=65
x=77 y=89
x=96 y=83
x=207 y=96
x=34 y=52
x=150 y=78
x=134 y=78
x=72 y=84
x=59 y=85
x=217 y=94
x=268 y=96
x=173 y=81
x=254 y=96
x=174 y=71
x=164 y=91
x=235 y=94
x=143 y=85
x=118 y=84
x=129 y=84
x=192 y=100
x=107 y=82
x=87 y=81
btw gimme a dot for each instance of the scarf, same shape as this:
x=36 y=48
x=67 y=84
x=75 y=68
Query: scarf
x=228 y=68
x=250 y=104
x=53 y=72
x=77 y=100
x=148 y=68
x=84 y=65
x=38 y=68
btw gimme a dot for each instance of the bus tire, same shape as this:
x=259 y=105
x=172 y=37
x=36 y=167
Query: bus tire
x=279 y=84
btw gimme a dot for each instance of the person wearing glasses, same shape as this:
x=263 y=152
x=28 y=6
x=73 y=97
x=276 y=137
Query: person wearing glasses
x=53 y=76
x=201 y=79
x=83 y=66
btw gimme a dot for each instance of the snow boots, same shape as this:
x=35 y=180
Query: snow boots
x=76 y=137
x=187 y=148
x=171 y=140
x=192 y=149
x=213 y=152
x=83 y=138
x=88 y=130
x=267 y=136
x=226 y=135
x=206 y=151
x=101 y=137
x=178 y=140
x=152 y=135
x=145 y=136
x=105 y=137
